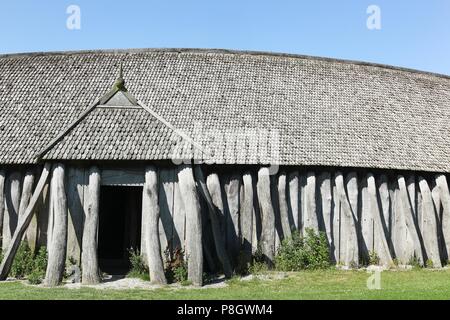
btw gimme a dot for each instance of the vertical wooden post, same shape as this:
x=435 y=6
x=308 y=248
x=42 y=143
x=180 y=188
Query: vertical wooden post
x=309 y=204
x=444 y=193
x=326 y=205
x=2 y=203
x=150 y=221
x=247 y=216
x=58 y=244
x=89 y=257
x=293 y=197
x=231 y=188
x=193 y=224
x=12 y=201
x=282 y=203
x=267 y=216
x=429 y=231
x=27 y=190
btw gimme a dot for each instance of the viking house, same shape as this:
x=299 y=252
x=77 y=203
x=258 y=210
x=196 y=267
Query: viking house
x=219 y=153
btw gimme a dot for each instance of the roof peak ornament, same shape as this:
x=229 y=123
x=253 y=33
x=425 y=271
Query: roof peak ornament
x=119 y=84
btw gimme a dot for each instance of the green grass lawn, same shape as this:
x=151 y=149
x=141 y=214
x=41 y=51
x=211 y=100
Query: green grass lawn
x=329 y=284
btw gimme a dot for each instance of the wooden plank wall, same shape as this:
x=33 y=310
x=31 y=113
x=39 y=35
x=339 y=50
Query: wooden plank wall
x=407 y=214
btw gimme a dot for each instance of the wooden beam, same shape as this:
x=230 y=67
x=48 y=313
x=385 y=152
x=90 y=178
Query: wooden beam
x=267 y=216
x=444 y=193
x=24 y=221
x=58 y=244
x=211 y=192
x=89 y=257
x=12 y=202
x=247 y=212
x=150 y=210
x=283 y=205
x=231 y=189
x=191 y=202
x=326 y=198
x=293 y=197
x=2 y=202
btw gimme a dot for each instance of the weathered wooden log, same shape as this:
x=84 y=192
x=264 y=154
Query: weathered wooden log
x=282 y=203
x=2 y=202
x=412 y=243
x=247 y=212
x=211 y=192
x=309 y=205
x=24 y=221
x=385 y=203
x=75 y=199
x=231 y=189
x=293 y=198
x=27 y=190
x=58 y=245
x=324 y=183
x=366 y=222
x=336 y=222
x=429 y=229
x=444 y=194
x=89 y=255
x=12 y=202
x=349 y=255
x=193 y=224
x=179 y=218
x=166 y=184
x=435 y=195
x=42 y=213
x=380 y=238
x=411 y=187
x=150 y=211
x=267 y=216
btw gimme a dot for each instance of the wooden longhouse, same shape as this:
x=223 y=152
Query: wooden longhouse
x=219 y=153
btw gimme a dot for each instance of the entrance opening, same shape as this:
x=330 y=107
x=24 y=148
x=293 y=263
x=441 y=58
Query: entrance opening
x=119 y=227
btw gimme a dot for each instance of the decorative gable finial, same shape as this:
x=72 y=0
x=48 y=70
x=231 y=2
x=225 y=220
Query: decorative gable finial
x=120 y=82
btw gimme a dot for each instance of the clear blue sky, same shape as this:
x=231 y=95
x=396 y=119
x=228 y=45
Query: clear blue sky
x=414 y=33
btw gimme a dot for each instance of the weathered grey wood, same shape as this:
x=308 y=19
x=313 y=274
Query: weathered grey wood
x=2 y=202
x=122 y=178
x=283 y=205
x=89 y=256
x=27 y=190
x=57 y=252
x=211 y=192
x=442 y=185
x=399 y=233
x=293 y=198
x=179 y=217
x=309 y=205
x=366 y=222
x=411 y=187
x=193 y=224
x=256 y=225
x=24 y=221
x=267 y=216
x=231 y=189
x=349 y=255
x=435 y=195
x=412 y=243
x=75 y=198
x=150 y=211
x=246 y=213
x=42 y=213
x=336 y=222
x=166 y=184
x=12 y=203
x=324 y=182
x=385 y=203
x=429 y=230
x=380 y=238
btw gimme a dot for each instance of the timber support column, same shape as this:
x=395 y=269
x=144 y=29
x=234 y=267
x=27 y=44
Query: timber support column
x=150 y=215
x=2 y=202
x=89 y=258
x=191 y=202
x=58 y=244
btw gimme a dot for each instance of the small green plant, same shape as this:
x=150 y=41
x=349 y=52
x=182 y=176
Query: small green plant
x=139 y=268
x=299 y=253
x=176 y=268
x=414 y=261
x=23 y=262
x=39 y=267
x=429 y=264
x=374 y=259
x=35 y=277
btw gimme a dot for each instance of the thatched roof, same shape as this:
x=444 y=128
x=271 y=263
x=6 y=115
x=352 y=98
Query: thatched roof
x=326 y=112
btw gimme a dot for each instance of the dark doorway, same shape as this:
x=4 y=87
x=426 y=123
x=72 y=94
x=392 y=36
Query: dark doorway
x=119 y=227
